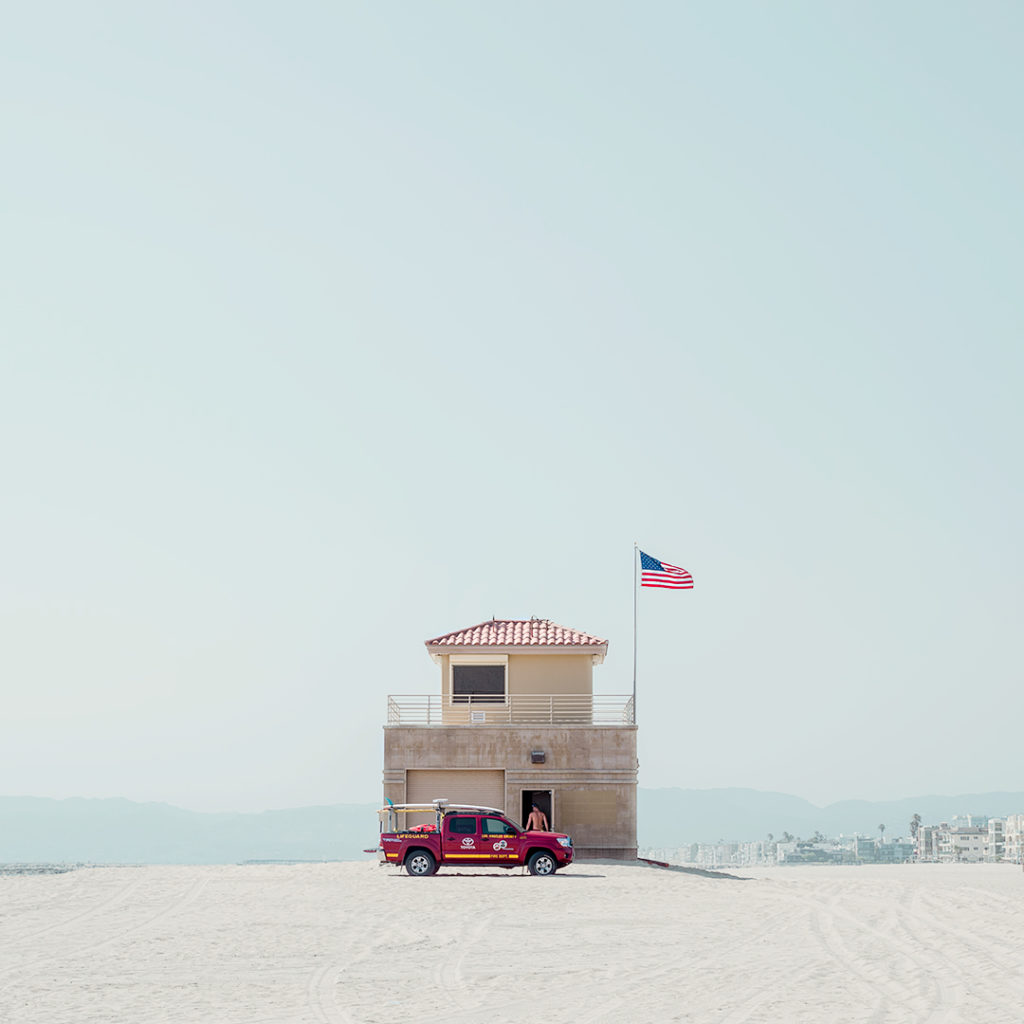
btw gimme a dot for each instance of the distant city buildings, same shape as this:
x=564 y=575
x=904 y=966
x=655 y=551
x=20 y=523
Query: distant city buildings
x=1013 y=838
x=972 y=840
x=966 y=839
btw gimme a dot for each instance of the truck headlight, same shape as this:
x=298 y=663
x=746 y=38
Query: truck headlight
x=564 y=841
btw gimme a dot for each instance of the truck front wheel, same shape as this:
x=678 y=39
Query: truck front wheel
x=542 y=863
x=420 y=863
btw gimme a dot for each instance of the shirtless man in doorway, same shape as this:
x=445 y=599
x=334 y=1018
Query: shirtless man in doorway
x=537 y=820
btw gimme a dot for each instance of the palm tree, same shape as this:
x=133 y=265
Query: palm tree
x=787 y=837
x=915 y=824
x=881 y=832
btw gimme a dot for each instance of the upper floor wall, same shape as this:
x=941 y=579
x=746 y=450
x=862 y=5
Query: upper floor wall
x=518 y=674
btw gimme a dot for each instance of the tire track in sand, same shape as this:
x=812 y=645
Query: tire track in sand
x=118 y=897
x=322 y=988
x=321 y=997
x=968 y=969
x=939 y=1006
x=448 y=974
x=183 y=901
x=999 y=957
x=625 y=1003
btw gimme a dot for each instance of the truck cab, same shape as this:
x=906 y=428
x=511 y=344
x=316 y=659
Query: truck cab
x=480 y=837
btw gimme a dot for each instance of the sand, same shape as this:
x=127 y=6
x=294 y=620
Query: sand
x=605 y=942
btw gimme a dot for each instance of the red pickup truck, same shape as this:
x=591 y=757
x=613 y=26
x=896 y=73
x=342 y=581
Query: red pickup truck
x=462 y=834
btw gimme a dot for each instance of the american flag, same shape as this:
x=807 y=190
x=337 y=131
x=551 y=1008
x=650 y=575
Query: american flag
x=660 y=574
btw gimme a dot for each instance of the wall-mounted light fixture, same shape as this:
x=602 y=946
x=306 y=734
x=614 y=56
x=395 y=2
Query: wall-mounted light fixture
x=537 y=756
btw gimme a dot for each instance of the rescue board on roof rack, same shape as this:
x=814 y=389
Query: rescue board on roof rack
x=444 y=808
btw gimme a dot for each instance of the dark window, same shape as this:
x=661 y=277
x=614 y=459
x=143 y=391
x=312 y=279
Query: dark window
x=463 y=826
x=478 y=684
x=497 y=827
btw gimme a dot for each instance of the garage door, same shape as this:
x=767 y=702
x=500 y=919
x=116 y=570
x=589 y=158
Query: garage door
x=483 y=788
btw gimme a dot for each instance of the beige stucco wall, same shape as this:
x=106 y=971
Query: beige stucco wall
x=550 y=673
x=591 y=771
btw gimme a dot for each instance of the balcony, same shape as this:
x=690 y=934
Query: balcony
x=513 y=709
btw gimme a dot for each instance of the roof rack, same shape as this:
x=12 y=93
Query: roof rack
x=439 y=807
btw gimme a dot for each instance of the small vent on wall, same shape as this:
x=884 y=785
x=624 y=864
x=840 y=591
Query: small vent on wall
x=478 y=716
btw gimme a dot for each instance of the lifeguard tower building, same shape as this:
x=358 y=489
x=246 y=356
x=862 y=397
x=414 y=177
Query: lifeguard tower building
x=516 y=722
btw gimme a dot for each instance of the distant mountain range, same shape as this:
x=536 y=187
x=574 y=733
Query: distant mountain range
x=36 y=829
x=33 y=829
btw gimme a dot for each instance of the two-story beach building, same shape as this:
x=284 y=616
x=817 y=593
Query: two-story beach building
x=516 y=722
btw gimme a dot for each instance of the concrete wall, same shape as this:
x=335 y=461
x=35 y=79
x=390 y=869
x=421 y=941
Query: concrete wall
x=591 y=770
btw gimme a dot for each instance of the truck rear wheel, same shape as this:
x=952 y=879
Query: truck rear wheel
x=542 y=863
x=420 y=863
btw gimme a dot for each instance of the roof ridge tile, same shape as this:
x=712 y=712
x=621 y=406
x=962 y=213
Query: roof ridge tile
x=532 y=632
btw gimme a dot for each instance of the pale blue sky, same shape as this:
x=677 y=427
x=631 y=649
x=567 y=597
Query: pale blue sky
x=327 y=328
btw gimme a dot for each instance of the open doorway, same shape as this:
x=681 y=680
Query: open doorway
x=540 y=797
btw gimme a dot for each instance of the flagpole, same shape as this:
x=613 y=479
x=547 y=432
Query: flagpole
x=634 y=631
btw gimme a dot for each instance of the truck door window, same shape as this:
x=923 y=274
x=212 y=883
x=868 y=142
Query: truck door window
x=462 y=826
x=497 y=827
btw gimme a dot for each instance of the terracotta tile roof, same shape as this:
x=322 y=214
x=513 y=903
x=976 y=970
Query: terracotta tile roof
x=517 y=633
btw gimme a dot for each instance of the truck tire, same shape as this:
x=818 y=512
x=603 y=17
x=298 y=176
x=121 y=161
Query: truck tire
x=542 y=863
x=420 y=863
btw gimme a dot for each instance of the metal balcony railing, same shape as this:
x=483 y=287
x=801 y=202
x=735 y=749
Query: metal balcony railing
x=512 y=709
